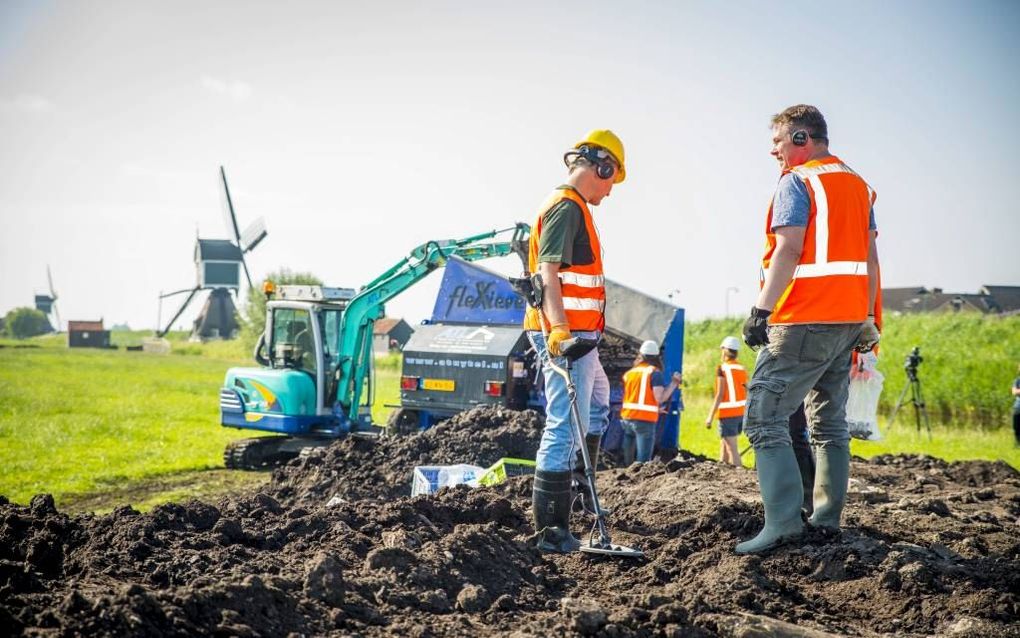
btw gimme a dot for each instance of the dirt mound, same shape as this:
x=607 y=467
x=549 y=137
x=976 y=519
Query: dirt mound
x=928 y=548
x=355 y=469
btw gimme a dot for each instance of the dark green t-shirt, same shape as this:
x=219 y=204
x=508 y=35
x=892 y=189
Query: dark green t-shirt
x=564 y=238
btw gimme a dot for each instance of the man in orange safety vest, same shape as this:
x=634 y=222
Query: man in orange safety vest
x=564 y=249
x=819 y=285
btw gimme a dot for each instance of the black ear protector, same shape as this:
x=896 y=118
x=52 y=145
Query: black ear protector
x=599 y=159
x=800 y=137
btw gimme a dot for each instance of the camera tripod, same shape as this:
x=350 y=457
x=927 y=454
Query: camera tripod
x=916 y=398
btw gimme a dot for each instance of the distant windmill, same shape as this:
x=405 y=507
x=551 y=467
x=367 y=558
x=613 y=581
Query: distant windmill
x=47 y=304
x=219 y=262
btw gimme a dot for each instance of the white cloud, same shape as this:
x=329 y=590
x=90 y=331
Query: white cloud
x=26 y=103
x=235 y=90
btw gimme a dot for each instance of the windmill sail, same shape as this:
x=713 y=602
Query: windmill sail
x=253 y=234
x=53 y=296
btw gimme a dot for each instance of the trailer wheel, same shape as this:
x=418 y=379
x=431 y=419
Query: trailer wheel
x=402 y=422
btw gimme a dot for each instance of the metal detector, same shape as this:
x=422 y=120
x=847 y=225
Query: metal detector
x=599 y=541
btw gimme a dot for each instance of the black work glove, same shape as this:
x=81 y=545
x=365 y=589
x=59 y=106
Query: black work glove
x=756 y=328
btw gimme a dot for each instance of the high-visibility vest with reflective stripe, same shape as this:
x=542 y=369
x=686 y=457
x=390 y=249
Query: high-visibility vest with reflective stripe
x=733 y=381
x=830 y=284
x=583 y=286
x=639 y=402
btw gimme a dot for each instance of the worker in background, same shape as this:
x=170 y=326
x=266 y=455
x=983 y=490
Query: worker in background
x=818 y=292
x=644 y=391
x=730 y=397
x=564 y=249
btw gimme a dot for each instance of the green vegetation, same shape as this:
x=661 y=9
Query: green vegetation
x=98 y=428
x=75 y=421
x=969 y=364
x=22 y=323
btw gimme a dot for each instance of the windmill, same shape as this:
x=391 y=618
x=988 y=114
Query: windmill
x=218 y=263
x=47 y=304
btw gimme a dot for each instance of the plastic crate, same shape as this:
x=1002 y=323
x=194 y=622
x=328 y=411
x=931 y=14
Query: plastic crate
x=427 y=479
x=506 y=467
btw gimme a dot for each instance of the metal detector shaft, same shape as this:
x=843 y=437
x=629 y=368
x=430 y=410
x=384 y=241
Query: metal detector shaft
x=589 y=471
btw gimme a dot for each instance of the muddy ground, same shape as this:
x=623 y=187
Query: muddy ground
x=928 y=548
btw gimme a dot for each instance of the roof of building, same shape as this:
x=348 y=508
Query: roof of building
x=991 y=299
x=386 y=325
x=1007 y=298
x=84 y=326
x=216 y=250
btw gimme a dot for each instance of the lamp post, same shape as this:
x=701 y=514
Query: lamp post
x=728 y=291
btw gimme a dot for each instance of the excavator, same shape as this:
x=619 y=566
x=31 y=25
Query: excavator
x=314 y=383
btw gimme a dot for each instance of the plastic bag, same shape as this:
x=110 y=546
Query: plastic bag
x=427 y=479
x=862 y=404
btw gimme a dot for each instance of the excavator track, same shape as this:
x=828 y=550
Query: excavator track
x=257 y=453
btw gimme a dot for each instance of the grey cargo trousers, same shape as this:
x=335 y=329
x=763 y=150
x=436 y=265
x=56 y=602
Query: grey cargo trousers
x=807 y=363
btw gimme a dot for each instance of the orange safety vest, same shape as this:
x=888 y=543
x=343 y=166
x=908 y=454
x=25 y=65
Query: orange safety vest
x=583 y=287
x=830 y=284
x=734 y=380
x=639 y=402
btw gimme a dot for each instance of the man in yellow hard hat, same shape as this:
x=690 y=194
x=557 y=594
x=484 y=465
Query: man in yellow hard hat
x=564 y=248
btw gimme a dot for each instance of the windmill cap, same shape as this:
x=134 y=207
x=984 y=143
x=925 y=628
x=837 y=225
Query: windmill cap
x=649 y=348
x=730 y=343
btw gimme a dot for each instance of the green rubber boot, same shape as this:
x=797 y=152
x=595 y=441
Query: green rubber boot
x=782 y=495
x=550 y=505
x=832 y=475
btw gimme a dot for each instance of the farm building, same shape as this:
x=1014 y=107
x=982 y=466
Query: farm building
x=87 y=334
x=390 y=334
x=988 y=300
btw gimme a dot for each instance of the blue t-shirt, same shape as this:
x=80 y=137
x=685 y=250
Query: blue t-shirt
x=791 y=204
x=658 y=381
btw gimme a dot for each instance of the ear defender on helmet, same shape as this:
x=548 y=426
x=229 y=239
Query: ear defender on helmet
x=799 y=137
x=599 y=159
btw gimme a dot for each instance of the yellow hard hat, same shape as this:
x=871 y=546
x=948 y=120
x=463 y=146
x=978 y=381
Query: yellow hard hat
x=606 y=139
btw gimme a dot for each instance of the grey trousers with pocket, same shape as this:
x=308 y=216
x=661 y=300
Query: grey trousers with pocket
x=807 y=363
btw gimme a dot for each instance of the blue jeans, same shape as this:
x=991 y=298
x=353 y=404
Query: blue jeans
x=637 y=434
x=559 y=444
x=804 y=363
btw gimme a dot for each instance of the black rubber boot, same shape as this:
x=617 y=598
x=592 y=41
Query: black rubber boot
x=550 y=506
x=593 y=442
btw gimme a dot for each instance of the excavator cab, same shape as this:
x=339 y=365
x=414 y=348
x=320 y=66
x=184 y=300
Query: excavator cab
x=293 y=341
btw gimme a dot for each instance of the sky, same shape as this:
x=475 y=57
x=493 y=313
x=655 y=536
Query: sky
x=360 y=130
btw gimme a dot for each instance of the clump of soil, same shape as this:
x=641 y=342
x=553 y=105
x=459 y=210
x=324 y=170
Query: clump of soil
x=928 y=547
x=357 y=468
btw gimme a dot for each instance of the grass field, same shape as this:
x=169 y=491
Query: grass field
x=81 y=421
x=98 y=428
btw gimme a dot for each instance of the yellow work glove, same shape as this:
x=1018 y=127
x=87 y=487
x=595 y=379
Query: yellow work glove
x=557 y=335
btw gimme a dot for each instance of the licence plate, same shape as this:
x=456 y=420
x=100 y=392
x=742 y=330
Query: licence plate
x=443 y=385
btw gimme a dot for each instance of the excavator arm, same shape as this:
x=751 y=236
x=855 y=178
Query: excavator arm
x=354 y=363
